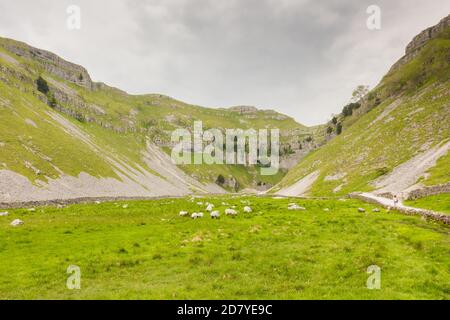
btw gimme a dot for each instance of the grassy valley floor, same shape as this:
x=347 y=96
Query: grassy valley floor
x=143 y=249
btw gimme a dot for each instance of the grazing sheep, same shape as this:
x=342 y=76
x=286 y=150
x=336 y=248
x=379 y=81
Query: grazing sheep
x=326 y=209
x=376 y=210
x=294 y=206
x=32 y=209
x=200 y=203
x=361 y=210
x=209 y=207
x=194 y=215
x=4 y=214
x=199 y=214
x=247 y=209
x=215 y=214
x=16 y=222
x=183 y=213
x=230 y=212
x=125 y=206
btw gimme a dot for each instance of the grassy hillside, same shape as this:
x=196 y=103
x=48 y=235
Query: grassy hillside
x=405 y=115
x=147 y=251
x=36 y=146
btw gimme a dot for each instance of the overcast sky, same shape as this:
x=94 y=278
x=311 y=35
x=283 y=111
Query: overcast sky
x=299 y=57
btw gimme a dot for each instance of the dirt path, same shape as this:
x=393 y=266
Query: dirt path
x=389 y=203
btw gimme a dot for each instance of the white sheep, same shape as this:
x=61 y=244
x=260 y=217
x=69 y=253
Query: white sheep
x=32 y=209
x=4 y=214
x=293 y=206
x=215 y=214
x=16 y=222
x=199 y=214
x=200 y=203
x=194 y=215
x=230 y=212
x=247 y=209
x=125 y=206
x=209 y=207
x=183 y=213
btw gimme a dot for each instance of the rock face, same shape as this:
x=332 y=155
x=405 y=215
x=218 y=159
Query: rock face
x=243 y=109
x=420 y=40
x=52 y=63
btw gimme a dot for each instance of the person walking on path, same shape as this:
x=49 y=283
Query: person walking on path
x=395 y=200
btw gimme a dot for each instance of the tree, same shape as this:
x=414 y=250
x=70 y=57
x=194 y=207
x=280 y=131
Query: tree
x=359 y=93
x=220 y=179
x=42 y=85
x=339 y=128
x=329 y=130
x=334 y=120
x=348 y=109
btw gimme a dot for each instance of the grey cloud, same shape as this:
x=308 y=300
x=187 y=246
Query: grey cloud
x=300 y=57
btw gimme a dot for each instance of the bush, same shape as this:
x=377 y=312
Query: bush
x=42 y=85
x=334 y=120
x=348 y=109
x=220 y=179
x=339 y=128
x=329 y=130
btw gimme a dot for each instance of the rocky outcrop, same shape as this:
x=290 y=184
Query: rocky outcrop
x=420 y=40
x=428 y=191
x=52 y=63
x=243 y=109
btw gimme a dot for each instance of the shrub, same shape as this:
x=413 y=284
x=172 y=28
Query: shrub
x=339 y=128
x=42 y=85
x=220 y=179
x=329 y=130
x=348 y=109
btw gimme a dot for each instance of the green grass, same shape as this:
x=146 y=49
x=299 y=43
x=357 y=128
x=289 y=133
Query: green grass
x=440 y=203
x=148 y=251
x=368 y=149
x=117 y=122
x=440 y=173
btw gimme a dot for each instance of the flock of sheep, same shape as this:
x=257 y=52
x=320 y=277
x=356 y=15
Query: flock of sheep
x=214 y=214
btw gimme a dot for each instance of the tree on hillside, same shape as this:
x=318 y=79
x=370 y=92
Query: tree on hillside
x=334 y=120
x=42 y=85
x=359 y=93
x=339 y=128
x=220 y=179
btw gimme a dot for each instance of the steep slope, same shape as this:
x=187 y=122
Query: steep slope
x=63 y=135
x=400 y=136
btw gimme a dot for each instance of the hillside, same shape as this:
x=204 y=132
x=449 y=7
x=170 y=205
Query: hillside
x=72 y=137
x=399 y=136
